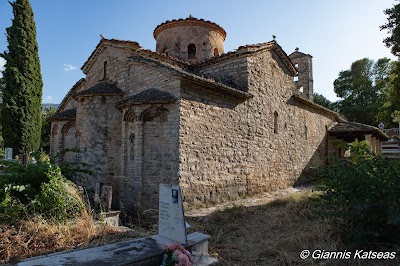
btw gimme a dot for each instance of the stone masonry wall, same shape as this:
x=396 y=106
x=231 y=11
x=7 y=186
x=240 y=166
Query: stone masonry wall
x=149 y=148
x=99 y=123
x=230 y=149
x=174 y=41
x=232 y=72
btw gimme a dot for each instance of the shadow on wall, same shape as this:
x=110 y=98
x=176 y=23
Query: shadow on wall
x=208 y=96
x=319 y=158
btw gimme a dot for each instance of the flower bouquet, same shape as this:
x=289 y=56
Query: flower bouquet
x=177 y=255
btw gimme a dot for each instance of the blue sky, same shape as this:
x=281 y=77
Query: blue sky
x=335 y=33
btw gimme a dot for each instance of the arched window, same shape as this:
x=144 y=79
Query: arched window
x=78 y=143
x=275 y=122
x=105 y=70
x=216 y=53
x=192 y=51
x=132 y=147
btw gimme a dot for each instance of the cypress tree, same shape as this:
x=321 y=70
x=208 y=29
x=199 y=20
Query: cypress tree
x=22 y=93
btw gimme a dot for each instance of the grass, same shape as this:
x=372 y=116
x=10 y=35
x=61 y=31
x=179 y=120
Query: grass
x=271 y=234
x=274 y=233
x=37 y=236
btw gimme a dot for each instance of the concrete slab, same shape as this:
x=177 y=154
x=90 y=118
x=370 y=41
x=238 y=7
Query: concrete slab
x=140 y=251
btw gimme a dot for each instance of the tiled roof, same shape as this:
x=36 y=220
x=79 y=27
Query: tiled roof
x=297 y=53
x=188 y=20
x=130 y=45
x=69 y=114
x=316 y=106
x=249 y=49
x=353 y=128
x=101 y=88
x=191 y=76
x=147 y=96
x=70 y=94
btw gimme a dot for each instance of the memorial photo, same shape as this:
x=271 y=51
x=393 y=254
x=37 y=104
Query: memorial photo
x=174 y=196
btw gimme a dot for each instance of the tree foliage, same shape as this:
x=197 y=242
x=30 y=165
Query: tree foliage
x=322 y=100
x=393 y=28
x=362 y=194
x=22 y=93
x=46 y=125
x=362 y=89
x=37 y=189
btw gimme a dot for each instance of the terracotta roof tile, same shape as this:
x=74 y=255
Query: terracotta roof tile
x=147 y=96
x=69 y=114
x=101 y=88
x=70 y=94
x=194 y=77
x=189 y=19
x=104 y=42
x=354 y=127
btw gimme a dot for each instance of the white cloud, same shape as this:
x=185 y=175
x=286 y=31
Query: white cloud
x=2 y=64
x=69 y=67
x=49 y=98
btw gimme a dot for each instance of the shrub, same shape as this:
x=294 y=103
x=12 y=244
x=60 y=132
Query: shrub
x=363 y=194
x=38 y=189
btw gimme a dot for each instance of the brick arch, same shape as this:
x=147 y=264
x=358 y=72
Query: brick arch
x=152 y=112
x=67 y=127
x=53 y=139
x=129 y=116
x=54 y=130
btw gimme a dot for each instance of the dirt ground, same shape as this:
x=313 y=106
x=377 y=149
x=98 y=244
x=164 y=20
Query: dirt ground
x=270 y=229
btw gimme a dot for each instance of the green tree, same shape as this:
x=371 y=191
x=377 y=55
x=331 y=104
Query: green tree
x=362 y=89
x=22 y=94
x=396 y=117
x=393 y=28
x=46 y=125
x=321 y=100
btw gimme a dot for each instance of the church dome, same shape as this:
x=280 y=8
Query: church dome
x=192 y=40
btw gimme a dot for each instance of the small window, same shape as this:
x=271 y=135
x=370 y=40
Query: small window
x=192 y=51
x=105 y=70
x=216 y=52
x=132 y=147
x=275 y=122
x=305 y=132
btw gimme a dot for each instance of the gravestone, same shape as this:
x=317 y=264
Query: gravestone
x=8 y=153
x=171 y=219
x=106 y=197
x=103 y=197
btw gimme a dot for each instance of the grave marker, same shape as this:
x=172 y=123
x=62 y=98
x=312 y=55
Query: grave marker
x=171 y=220
x=8 y=153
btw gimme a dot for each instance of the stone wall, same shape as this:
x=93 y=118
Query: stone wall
x=149 y=153
x=99 y=123
x=174 y=41
x=69 y=141
x=230 y=149
x=149 y=148
x=231 y=72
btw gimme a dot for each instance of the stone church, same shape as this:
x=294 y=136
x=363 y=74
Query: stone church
x=222 y=125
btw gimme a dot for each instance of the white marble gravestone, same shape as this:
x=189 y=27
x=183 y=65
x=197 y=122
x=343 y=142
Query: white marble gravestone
x=171 y=220
x=8 y=153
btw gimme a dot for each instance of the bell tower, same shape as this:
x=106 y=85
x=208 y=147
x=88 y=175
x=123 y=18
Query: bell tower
x=304 y=84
